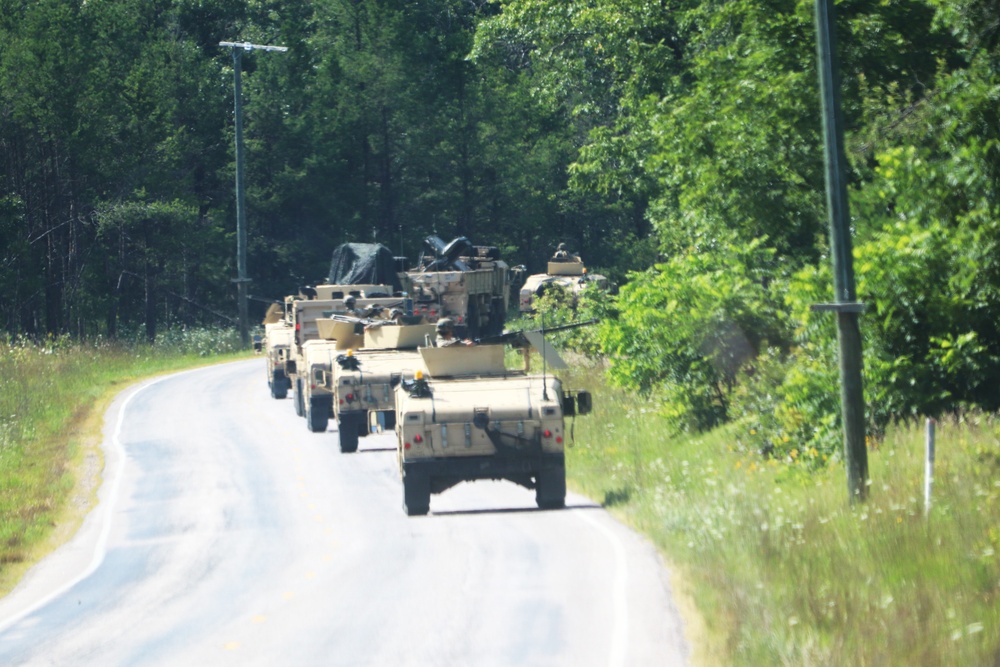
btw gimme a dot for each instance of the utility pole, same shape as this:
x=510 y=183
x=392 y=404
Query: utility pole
x=845 y=303
x=241 y=217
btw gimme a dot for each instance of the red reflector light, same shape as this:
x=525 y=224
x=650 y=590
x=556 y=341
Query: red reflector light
x=418 y=438
x=350 y=397
x=341 y=401
x=547 y=433
x=434 y=312
x=406 y=445
x=558 y=438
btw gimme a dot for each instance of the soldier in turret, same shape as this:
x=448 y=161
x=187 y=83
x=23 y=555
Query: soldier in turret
x=446 y=334
x=563 y=255
x=350 y=309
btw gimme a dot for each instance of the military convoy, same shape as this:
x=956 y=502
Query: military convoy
x=359 y=350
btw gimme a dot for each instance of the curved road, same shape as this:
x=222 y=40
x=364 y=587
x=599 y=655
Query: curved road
x=228 y=534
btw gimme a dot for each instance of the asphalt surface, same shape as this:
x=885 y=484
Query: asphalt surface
x=228 y=534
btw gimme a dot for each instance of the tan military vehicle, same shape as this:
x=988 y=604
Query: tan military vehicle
x=362 y=380
x=470 y=418
x=276 y=345
x=302 y=313
x=466 y=283
x=565 y=272
x=335 y=337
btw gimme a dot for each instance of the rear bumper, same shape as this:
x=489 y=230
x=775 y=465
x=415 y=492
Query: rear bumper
x=445 y=472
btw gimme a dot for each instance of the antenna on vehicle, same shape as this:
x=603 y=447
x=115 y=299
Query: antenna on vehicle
x=545 y=382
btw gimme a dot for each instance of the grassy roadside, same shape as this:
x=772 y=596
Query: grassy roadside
x=53 y=397
x=782 y=570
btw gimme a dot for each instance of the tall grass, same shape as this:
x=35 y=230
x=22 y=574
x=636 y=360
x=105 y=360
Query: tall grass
x=47 y=391
x=782 y=568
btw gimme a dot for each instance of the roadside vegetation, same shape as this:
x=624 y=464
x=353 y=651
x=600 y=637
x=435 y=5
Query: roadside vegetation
x=781 y=568
x=53 y=395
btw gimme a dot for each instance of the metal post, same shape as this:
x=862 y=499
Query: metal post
x=241 y=219
x=928 y=465
x=848 y=327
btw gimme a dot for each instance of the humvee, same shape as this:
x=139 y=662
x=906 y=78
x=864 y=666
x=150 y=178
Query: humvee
x=335 y=337
x=362 y=380
x=302 y=313
x=569 y=274
x=276 y=345
x=470 y=418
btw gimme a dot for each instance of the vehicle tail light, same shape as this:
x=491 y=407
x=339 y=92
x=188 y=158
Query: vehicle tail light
x=547 y=433
x=559 y=438
x=350 y=397
x=406 y=445
x=418 y=438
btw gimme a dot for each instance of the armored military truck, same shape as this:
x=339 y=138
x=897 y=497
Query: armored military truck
x=470 y=418
x=566 y=272
x=466 y=283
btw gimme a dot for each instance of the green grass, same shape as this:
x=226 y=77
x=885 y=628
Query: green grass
x=52 y=399
x=781 y=568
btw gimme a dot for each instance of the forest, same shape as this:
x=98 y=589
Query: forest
x=675 y=144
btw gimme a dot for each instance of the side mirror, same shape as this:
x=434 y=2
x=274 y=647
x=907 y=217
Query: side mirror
x=584 y=403
x=568 y=405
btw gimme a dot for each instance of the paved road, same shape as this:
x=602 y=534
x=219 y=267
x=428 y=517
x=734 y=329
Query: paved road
x=228 y=534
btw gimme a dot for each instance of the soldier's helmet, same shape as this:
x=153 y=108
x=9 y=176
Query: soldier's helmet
x=445 y=324
x=349 y=302
x=561 y=246
x=395 y=312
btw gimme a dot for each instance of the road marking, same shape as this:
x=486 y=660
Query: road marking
x=101 y=547
x=619 y=629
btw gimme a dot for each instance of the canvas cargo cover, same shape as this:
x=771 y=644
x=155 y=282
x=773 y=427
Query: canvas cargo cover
x=363 y=264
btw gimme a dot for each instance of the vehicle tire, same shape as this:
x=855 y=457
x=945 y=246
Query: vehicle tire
x=347 y=430
x=300 y=407
x=318 y=415
x=416 y=494
x=279 y=385
x=472 y=320
x=550 y=488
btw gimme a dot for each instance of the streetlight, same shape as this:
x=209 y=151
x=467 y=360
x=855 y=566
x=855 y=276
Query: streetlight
x=241 y=216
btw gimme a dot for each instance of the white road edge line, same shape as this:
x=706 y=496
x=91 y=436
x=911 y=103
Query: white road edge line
x=100 y=549
x=619 y=632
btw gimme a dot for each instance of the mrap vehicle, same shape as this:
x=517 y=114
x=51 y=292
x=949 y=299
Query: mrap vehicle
x=470 y=418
